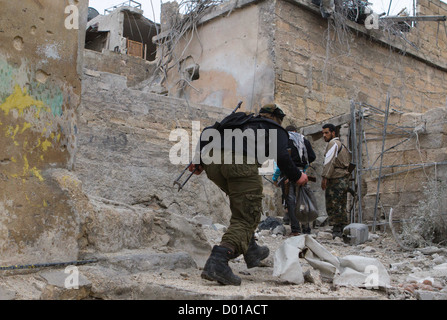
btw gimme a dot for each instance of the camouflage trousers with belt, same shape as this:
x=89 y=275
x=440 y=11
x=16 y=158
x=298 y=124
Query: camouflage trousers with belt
x=243 y=184
x=336 y=201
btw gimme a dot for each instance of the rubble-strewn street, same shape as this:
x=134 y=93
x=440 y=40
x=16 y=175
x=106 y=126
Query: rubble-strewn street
x=100 y=114
x=134 y=275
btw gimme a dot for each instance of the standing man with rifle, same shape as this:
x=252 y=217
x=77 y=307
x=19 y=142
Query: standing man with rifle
x=243 y=184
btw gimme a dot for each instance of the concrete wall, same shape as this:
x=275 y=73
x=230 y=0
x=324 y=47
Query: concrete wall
x=134 y=69
x=320 y=69
x=403 y=178
x=40 y=89
x=235 y=59
x=124 y=148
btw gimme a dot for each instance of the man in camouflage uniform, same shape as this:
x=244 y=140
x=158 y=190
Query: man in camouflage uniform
x=243 y=184
x=335 y=180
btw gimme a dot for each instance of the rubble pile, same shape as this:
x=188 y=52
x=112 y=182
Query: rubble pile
x=167 y=273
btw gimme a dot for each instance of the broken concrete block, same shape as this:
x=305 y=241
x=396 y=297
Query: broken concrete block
x=279 y=230
x=400 y=267
x=68 y=284
x=430 y=295
x=324 y=235
x=355 y=233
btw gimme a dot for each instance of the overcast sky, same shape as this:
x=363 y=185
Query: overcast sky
x=152 y=7
x=147 y=6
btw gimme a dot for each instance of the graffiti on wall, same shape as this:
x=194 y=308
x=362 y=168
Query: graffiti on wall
x=36 y=128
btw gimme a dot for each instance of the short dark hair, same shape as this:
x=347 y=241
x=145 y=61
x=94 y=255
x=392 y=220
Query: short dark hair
x=291 y=128
x=329 y=126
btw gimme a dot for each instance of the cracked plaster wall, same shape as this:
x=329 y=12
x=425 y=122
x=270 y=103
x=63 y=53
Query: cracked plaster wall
x=40 y=89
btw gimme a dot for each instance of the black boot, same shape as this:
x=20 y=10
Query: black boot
x=217 y=268
x=255 y=254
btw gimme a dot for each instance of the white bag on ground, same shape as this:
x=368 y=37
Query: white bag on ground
x=351 y=270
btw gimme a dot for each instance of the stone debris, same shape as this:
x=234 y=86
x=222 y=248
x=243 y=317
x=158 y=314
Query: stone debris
x=165 y=272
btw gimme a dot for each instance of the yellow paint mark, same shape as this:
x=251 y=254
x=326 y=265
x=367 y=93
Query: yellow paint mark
x=27 y=170
x=45 y=204
x=25 y=165
x=26 y=196
x=46 y=144
x=36 y=173
x=26 y=126
x=58 y=137
x=15 y=131
x=20 y=100
x=13 y=159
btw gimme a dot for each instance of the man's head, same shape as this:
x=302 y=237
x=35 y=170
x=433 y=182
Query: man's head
x=329 y=132
x=291 y=128
x=273 y=112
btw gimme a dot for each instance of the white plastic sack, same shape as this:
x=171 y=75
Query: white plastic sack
x=286 y=260
x=351 y=270
x=286 y=263
x=358 y=271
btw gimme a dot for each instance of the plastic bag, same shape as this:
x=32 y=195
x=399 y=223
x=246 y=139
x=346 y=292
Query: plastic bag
x=306 y=206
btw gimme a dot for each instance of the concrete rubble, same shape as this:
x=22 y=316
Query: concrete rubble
x=104 y=192
x=168 y=273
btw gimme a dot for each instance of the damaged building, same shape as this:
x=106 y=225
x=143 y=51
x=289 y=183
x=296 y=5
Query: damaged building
x=342 y=70
x=123 y=30
x=120 y=42
x=87 y=126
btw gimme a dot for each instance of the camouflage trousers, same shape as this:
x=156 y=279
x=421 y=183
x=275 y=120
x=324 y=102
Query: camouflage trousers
x=336 y=201
x=243 y=185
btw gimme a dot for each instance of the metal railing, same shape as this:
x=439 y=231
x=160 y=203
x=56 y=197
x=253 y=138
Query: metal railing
x=129 y=3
